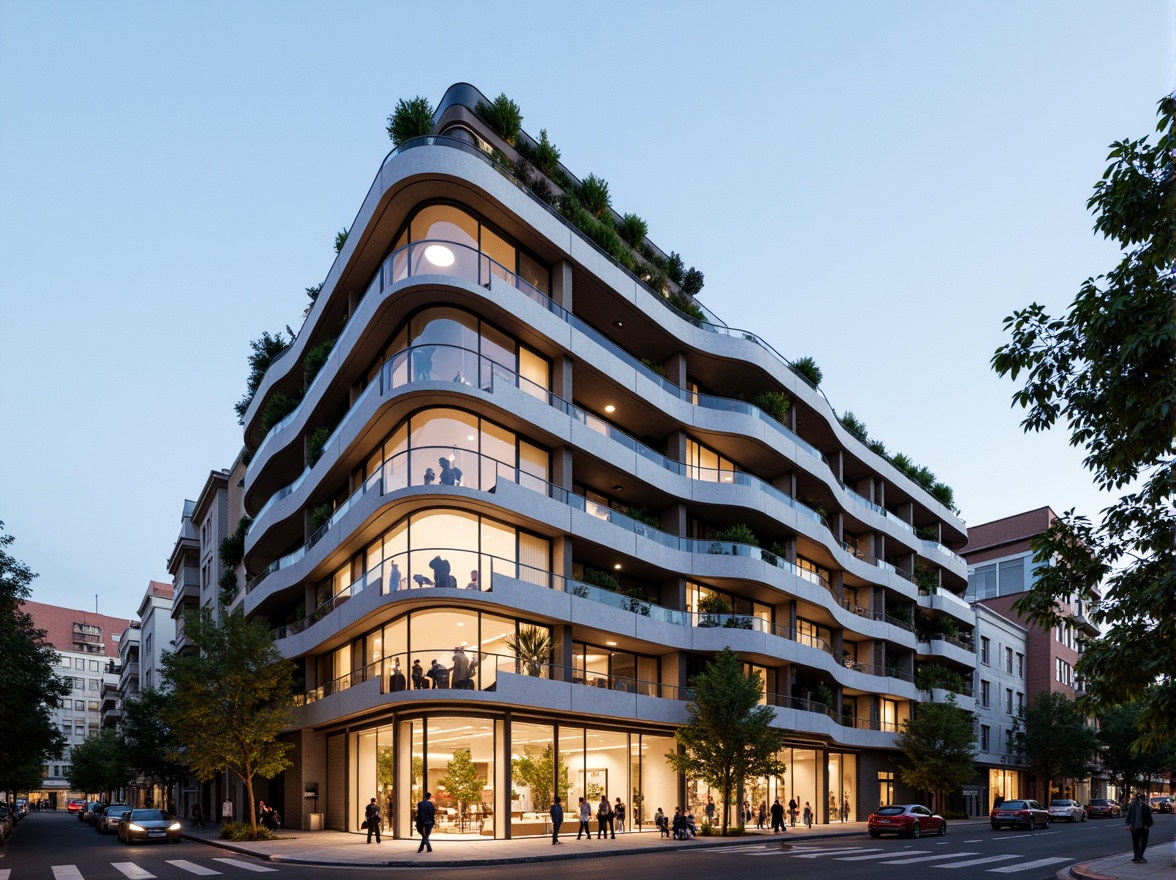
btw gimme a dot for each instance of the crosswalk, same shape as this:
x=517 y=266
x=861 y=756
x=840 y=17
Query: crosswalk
x=135 y=871
x=889 y=856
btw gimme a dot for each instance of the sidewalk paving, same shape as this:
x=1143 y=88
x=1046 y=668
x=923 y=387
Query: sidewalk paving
x=343 y=848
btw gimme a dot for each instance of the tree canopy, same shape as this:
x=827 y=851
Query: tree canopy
x=1054 y=739
x=729 y=737
x=939 y=747
x=1108 y=369
x=1129 y=768
x=98 y=764
x=230 y=699
x=28 y=687
x=152 y=748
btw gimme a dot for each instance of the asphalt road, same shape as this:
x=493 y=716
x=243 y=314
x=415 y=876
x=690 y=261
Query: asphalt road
x=49 y=846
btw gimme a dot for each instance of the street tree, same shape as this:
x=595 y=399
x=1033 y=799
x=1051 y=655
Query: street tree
x=29 y=687
x=152 y=749
x=1129 y=768
x=729 y=737
x=98 y=764
x=1108 y=369
x=230 y=700
x=1055 y=740
x=939 y=747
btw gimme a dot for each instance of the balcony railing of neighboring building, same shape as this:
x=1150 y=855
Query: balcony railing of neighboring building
x=409 y=580
x=470 y=264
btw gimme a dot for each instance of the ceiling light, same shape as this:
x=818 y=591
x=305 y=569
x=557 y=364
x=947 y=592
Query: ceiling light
x=618 y=488
x=469 y=436
x=617 y=567
x=611 y=644
x=610 y=408
x=618 y=324
x=439 y=255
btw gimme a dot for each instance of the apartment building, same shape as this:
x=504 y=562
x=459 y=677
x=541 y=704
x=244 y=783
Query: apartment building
x=1001 y=652
x=524 y=499
x=86 y=643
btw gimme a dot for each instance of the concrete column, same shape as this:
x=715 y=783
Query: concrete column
x=561 y=284
x=673 y=594
x=676 y=369
x=561 y=467
x=561 y=377
x=561 y=556
x=562 y=652
x=673 y=519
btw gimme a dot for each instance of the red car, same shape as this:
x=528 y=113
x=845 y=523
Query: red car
x=913 y=819
x=75 y=804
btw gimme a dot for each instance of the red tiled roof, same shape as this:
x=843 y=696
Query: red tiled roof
x=58 y=624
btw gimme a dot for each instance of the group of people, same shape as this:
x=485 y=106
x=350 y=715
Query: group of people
x=442 y=576
x=610 y=818
x=450 y=474
x=681 y=827
x=268 y=816
x=460 y=676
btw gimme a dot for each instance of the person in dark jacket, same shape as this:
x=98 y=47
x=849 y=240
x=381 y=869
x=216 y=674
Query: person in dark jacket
x=556 y=821
x=777 y=816
x=371 y=818
x=1139 y=820
x=426 y=819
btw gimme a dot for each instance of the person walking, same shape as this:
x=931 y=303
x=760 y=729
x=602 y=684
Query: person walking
x=371 y=820
x=777 y=816
x=585 y=818
x=1139 y=820
x=761 y=817
x=792 y=809
x=604 y=819
x=426 y=819
x=619 y=816
x=710 y=810
x=556 y=820
x=197 y=815
x=808 y=815
x=227 y=811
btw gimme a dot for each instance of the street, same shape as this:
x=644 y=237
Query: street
x=57 y=846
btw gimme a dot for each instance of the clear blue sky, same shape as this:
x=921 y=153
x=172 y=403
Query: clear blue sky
x=873 y=184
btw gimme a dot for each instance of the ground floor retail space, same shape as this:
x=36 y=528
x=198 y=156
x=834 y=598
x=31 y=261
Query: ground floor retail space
x=496 y=775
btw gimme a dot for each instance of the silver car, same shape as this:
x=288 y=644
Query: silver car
x=147 y=825
x=1062 y=810
x=108 y=820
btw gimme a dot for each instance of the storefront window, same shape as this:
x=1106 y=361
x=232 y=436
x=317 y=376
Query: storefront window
x=843 y=787
x=461 y=771
x=533 y=770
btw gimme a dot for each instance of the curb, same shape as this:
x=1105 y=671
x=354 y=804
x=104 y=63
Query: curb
x=1083 y=872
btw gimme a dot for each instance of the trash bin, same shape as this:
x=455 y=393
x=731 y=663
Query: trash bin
x=316 y=821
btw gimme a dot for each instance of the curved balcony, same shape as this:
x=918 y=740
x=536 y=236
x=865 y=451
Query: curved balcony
x=436 y=257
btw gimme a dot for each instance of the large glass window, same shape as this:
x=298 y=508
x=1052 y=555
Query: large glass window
x=703 y=463
x=533 y=772
x=843 y=787
x=461 y=773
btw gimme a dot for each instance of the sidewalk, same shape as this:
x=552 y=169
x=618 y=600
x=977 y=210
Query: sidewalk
x=342 y=848
x=1161 y=862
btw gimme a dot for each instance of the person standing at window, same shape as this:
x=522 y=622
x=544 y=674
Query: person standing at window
x=556 y=821
x=371 y=820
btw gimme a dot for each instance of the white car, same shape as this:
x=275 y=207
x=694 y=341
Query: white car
x=1067 y=811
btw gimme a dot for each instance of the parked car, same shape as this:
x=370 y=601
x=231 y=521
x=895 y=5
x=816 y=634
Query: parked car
x=110 y=817
x=1062 y=810
x=6 y=821
x=913 y=819
x=87 y=808
x=22 y=807
x=93 y=811
x=1019 y=814
x=147 y=825
x=75 y=804
x=1103 y=808
x=1162 y=804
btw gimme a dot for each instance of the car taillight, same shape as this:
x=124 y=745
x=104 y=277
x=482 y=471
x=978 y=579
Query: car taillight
x=1025 y=813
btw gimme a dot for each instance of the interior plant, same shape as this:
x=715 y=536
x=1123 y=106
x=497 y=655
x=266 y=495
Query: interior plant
x=532 y=649
x=410 y=119
x=738 y=533
x=633 y=229
x=773 y=403
x=503 y=115
x=315 y=358
x=808 y=370
x=854 y=425
x=277 y=408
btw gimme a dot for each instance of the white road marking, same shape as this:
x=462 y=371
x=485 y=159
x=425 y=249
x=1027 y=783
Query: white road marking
x=132 y=871
x=248 y=866
x=192 y=867
x=67 y=872
x=925 y=858
x=1040 y=863
x=912 y=852
x=840 y=851
x=5 y=873
x=977 y=840
x=971 y=862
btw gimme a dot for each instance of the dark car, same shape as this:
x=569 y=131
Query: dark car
x=913 y=819
x=147 y=825
x=1019 y=814
x=110 y=817
x=93 y=811
x=1103 y=808
x=1161 y=804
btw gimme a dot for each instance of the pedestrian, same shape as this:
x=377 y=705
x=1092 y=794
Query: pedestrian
x=604 y=819
x=197 y=815
x=661 y=822
x=227 y=811
x=556 y=821
x=777 y=816
x=619 y=816
x=426 y=818
x=808 y=815
x=761 y=817
x=585 y=814
x=792 y=809
x=710 y=810
x=678 y=824
x=1139 y=820
x=371 y=820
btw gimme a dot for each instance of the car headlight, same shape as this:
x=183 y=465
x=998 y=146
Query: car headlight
x=174 y=826
x=133 y=827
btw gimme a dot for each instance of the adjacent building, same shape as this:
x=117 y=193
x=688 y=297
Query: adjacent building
x=86 y=643
x=509 y=495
